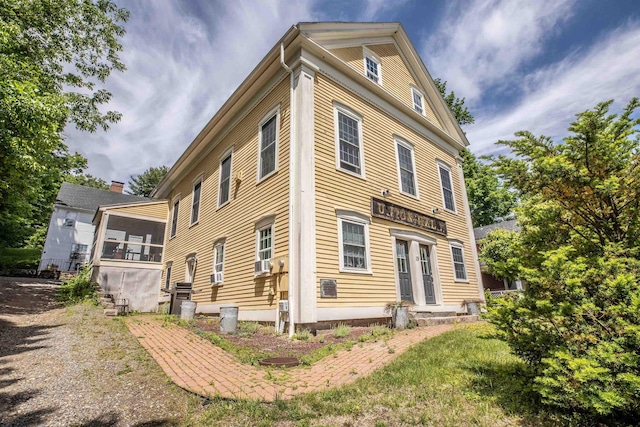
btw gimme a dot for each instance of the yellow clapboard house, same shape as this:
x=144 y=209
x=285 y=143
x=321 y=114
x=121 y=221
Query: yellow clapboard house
x=331 y=180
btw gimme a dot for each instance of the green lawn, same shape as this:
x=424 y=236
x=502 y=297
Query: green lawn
x=17 y=258
x=461 y=378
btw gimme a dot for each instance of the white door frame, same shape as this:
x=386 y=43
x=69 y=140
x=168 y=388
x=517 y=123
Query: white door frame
x=414 y=240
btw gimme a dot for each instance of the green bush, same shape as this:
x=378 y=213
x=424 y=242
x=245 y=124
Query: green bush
x=19 y=258
x=78 y=288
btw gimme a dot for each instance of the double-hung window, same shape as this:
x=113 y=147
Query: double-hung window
x=265 y=242
x=174 y=217
x=218 y=262
x=224 y=190
x=406 y=168
x=372 y=66
x=459 y=268
x=195 y=201
x=447 y=187
x=354 y=251
x=349 y=152
x=167 y=276
x=418 y=100
x=268 y=145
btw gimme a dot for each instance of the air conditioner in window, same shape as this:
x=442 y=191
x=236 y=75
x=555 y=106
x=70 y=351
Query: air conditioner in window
x=216 y=278
x=262 y=267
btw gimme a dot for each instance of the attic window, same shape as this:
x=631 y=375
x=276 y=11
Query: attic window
x=372 y=66
x=418 y=100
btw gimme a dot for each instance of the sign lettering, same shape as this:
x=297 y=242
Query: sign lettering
x=395 y=213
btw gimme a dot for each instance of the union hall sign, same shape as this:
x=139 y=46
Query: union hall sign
x=395 y=213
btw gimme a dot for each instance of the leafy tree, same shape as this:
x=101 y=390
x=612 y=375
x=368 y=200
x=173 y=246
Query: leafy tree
x=499 y=250
x=87 y=180
x=52 y=54
x=578 y=325
x=456 y=105
x=143 y=184
x=489 y=199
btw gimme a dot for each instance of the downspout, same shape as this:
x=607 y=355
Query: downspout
x=292 y=259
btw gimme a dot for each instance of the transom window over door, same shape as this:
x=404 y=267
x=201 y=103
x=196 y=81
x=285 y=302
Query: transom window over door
x=268 y=156
x=406 y=168
x=447 y=188
x=349 y=142
x=225 y=180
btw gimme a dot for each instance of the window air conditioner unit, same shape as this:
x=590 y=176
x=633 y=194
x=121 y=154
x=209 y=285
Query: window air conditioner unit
x=262 y=267
x=216 y=278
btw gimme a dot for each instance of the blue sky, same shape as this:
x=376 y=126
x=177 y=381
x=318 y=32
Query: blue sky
x=520 y=65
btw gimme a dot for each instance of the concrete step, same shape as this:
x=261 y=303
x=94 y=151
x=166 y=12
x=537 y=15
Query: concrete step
x=428 y=314
x=447 y=320
x=108 y=305
x=110 y=312
x=105 y=300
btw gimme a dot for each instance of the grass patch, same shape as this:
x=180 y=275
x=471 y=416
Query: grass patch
x=463 y=377
x=342 y=330
x=302 y=335
x=244 y=354
x=19 y=258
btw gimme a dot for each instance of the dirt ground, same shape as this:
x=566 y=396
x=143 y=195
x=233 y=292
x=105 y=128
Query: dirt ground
x=71 y=366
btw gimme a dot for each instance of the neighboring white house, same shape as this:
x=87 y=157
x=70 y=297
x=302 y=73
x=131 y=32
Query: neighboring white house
x=70 y=232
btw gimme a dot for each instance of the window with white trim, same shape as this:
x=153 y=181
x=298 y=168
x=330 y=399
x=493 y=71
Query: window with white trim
x=268 y=156
x=174 y=217
x=406 y=168
x=418 y=100
x=447 y=188
x=459 y=268
x=265 y=242
x=372 y=67
x=195 y=201
x=224 y=190
x=218 y=258
x=349 y=142
x=354 y=244
x=167 y=277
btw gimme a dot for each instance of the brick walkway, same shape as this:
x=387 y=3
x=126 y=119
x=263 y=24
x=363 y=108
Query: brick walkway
x=195 y=364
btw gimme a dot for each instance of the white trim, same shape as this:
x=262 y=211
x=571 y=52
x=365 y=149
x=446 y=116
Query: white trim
x=123 y=263
x=456 y=244
x=303 y=301
x=340 y=108
x=405 y=234
x=136 y=216
x=441 y=165
x=177 y=198
x=225 y=155
x=198 y=179
x=397 y=140
x=413 y=102
x=350 y=313
x=368 y=54
x=472 y=238
x=273 y=240
x=273 y=112
x=219 y=243
x=357 y=42
x=359 y=219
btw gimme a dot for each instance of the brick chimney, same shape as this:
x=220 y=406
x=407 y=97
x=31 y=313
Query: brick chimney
x=116 y=186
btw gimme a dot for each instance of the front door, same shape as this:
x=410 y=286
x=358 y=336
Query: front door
x=427 y=274
x=404 y=273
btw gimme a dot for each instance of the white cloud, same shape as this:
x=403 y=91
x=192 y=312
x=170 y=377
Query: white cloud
x=374 y=9
x=183 y=61
x=477 y=44
x=608 y=69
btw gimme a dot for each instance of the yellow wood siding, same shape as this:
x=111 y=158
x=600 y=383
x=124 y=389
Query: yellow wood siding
x=396 y=77
x=156 y=210
x=336 y=189
x=235 y=221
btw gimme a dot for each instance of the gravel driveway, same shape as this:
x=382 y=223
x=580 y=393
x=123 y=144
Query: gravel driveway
x=71 y=366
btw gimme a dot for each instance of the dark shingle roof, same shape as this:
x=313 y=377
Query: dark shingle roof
x=89 y=198
x=481 y=232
